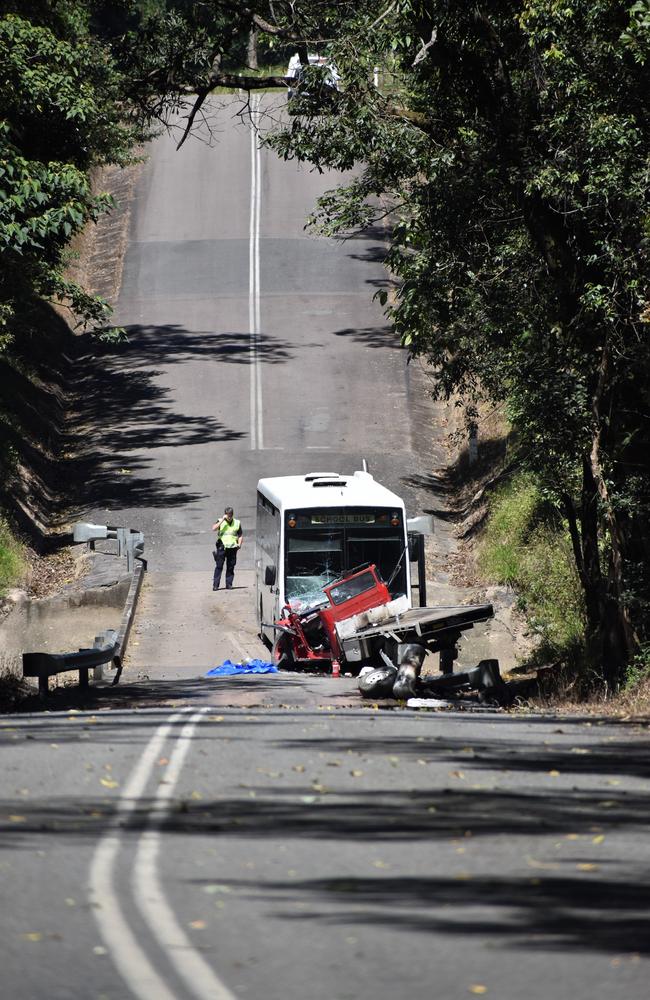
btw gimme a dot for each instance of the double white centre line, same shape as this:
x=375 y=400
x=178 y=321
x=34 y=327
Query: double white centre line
x=135 y=967
x=256 y=430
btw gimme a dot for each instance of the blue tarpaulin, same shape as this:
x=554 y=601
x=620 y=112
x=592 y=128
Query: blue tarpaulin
x=229 y=669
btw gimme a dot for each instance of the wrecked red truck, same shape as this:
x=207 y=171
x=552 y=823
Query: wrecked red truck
x=334 y=590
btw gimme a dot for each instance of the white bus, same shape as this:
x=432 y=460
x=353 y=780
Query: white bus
x=312 y=529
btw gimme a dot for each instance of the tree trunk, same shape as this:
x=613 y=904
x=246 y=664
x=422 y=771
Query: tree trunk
x=606 y=618
x=251 y=58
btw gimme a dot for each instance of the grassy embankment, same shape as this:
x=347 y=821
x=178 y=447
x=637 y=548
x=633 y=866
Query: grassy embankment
x=526 y=546
x=12 y=559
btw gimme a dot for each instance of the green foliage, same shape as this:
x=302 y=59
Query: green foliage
x=513 y=514
x=525 y=546
x=510 y=145
x=12 y=559
x=62 y=114
x=638 y=670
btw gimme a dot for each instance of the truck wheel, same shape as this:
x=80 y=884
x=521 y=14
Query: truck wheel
x=283 y=654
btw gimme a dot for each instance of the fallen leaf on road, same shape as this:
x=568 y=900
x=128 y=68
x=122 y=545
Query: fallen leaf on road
x=613 y=781
x=334 y=763
x=546 y=865
x=478 y=988
x=109 y=783
x=554 y=774
x=197 y=925
x=579 y=750
x=16 y=819
x=100 y=950
x=308 y=799
x=380 y=864
x=462 y=876
x=215 y=888
x=323 y=789
x=70 y=901
x=32 y=936
x=456 y=774
x=356 y=774
x=572 y=836
x=195 y=796
x=587 y=867
x=215 y=718
x=298 y=767
x=599 y=839
x=432 y=809
x=163 y=761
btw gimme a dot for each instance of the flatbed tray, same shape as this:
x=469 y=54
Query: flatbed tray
x=427 y=621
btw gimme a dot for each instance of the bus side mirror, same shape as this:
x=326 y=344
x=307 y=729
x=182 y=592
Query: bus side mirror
x=414 y=545
x=269 y=576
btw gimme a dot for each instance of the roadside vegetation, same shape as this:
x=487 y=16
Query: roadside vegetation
x=13 y=563
x=527 y=546
x=510 y=144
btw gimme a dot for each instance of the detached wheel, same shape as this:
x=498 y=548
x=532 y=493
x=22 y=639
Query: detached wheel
x=283 y=654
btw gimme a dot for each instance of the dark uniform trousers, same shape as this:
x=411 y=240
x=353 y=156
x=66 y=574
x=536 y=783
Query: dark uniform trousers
x=229 y=556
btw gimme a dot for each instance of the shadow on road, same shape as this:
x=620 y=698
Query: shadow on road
x=540 y=904
x=372 y=336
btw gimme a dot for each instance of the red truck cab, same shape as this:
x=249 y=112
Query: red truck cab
x=349 y=596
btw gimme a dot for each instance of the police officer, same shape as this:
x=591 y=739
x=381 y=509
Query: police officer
x=229 y=540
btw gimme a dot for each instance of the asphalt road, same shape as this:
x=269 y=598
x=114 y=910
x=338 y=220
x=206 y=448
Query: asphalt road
x=344 y=855
x=262 y=838
x=255 y=349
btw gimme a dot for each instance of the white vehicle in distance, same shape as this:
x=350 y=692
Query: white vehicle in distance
x=303 y=96
x=312 y=529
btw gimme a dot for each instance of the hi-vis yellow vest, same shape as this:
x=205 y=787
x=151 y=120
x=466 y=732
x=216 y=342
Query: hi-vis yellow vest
x=228 y=533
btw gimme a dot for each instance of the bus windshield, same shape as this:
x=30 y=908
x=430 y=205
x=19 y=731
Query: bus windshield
x=314 y=559
x=324 y=544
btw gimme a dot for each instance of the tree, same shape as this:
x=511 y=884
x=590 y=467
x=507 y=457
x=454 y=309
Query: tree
x=511 y=142
x=61 y=117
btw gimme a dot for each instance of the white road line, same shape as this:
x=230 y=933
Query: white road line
x=198 y=975
x=130 y=960
x=254 y=321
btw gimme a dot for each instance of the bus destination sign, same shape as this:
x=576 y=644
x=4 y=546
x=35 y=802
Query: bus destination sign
x=325 y=518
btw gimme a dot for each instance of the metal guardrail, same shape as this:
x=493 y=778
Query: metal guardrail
x=110 y=646
x=46 y=665
x=129 y=541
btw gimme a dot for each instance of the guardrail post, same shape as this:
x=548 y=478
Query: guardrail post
x=123 y=541
x=134 y=549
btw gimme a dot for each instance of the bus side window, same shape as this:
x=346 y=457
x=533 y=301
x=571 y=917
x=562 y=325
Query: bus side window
x=268 y=533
